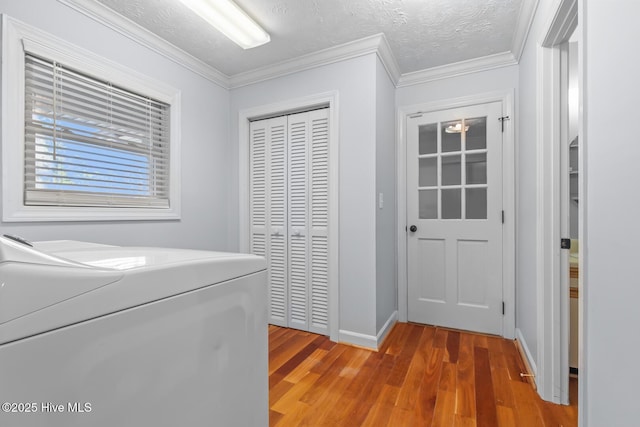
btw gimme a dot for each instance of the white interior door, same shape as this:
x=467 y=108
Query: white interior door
x=289 y=204
x=454 y=213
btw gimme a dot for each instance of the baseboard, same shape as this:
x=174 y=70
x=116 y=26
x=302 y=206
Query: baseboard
x=386 y=328
x=523 y=349
x=357 y=339
x=370 y=342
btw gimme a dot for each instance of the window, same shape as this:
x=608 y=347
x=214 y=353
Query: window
x=93 y=141
x=90 y=143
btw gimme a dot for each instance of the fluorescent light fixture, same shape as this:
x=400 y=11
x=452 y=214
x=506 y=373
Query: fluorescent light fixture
x=230 y=20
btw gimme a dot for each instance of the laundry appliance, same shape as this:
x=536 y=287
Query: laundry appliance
x=103 y=336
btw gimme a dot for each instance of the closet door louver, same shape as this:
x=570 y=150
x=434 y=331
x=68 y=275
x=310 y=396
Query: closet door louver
x=290 y=215
x=319 y=224
x=298 y=215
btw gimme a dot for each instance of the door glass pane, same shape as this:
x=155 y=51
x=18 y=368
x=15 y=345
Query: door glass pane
x=476 y=133
x=451 y=136
x=476 y=207
x=451 y=204
x=428 y=139
x=451 y=167
x=428 y=174
x=476 y=168
x=428 y=204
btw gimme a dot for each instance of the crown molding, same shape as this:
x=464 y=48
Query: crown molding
x=354 y=49
x=388 y=60
x=523 y=26
x=475 y=65
x=106 y=16
x=376 y=43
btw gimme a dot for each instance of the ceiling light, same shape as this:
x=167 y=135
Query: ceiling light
x=457 y=128
x=230 y=20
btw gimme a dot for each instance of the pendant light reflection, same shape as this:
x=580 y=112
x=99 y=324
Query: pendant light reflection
x=457 y=128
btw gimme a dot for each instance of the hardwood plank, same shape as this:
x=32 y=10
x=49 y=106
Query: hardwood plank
x=397 y=341
x=368 y=398
x=411 y=386
x=274 y=417
x=381 y=411
x=444 y=411
x=502 y=392
x=352 y=367
x=306 y=366
x=283 y=353
x=440 y=339
x=465 y=385
x=426 y=403
x=293 y=417
x=400 y=368
x=295 y=360
x=448 y=377
x=453 y=347
x=402 y=417
x=505 y=416
x=422 y=376
x=294 y=394
x=486 y=415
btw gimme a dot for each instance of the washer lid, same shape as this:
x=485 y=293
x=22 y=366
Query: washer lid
x=75 y=281
x=31 y=280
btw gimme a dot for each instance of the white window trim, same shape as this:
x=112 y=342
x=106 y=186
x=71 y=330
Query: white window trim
x=18 y=37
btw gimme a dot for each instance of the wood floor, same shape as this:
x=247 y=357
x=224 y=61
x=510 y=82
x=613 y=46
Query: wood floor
x=422 y=376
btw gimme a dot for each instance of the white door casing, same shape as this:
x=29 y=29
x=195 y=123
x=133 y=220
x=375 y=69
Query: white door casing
x=454 y=198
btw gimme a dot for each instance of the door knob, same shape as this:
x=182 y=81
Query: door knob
x=413 y=229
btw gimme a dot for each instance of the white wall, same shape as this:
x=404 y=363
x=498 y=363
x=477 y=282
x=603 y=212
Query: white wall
x=355 y=82
x=500 y=79
x=386 y=256
x=527 y=127
x=205 y=141
x=611 y=287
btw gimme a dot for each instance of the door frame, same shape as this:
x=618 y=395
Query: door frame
x=508 y=197
x=245 y=116
x=552 y=361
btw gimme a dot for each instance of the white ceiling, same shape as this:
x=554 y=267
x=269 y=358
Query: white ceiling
x=421 y=34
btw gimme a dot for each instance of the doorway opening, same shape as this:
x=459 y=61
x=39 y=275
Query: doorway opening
x=570 y=143
x=558 y=181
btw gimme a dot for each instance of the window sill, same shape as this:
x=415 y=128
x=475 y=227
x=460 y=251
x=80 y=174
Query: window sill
x=67 y=214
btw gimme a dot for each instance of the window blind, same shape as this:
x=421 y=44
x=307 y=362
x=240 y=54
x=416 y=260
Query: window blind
x=91 y=143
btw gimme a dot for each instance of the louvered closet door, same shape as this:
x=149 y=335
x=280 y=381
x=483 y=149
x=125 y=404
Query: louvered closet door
x=268 y=206
x=309 y=220
x=319 y=224
x=290 y=213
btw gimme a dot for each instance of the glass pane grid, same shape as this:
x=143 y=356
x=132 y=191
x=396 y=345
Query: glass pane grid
x=453 y=177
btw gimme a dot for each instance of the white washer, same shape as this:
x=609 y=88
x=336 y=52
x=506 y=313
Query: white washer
x=98 y=335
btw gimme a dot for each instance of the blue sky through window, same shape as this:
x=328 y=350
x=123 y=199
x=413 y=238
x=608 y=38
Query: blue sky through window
x=72 y=164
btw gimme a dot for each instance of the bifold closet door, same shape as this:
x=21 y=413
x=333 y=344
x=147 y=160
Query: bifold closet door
x=268 y=209
x=290 y=215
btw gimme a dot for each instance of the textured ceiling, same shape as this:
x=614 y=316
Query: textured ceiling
x=422 y=33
